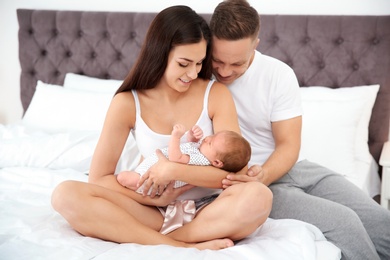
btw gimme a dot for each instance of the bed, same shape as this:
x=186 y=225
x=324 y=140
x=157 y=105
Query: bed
x=73 y=61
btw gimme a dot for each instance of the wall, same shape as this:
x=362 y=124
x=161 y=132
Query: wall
x=10 y=106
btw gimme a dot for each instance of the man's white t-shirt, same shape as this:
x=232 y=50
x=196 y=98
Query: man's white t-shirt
x=267 y=92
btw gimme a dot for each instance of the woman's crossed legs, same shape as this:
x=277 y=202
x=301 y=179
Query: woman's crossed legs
x=98 y=212
x=237 y=212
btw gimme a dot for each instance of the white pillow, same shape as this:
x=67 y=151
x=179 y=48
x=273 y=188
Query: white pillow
x=46 y=150
x=85 y=83
x=57 y=109
x=335 y=131
x=130 y=155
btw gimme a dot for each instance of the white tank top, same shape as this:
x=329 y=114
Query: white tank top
x=148 y=140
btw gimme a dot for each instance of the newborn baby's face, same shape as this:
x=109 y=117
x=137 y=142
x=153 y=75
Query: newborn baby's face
x=211 y=145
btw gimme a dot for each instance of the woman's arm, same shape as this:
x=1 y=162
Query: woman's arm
x=113 y=137
x=115 y=132
x=222 y=112
x=164 y=171
x=110 y=182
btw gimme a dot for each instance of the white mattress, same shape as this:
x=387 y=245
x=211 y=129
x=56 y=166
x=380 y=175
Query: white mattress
x=31 y=229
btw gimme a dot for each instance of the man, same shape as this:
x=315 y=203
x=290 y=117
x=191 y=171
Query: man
x=267 y=97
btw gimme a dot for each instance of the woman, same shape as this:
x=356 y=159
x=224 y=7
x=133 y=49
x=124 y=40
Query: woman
x=168 y=84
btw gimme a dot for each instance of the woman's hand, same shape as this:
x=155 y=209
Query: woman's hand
x=157 y=177
x=254 y=173
x=170 y=194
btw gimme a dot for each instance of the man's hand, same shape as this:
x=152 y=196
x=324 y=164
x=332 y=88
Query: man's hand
x=254 y=173
x=157 y=177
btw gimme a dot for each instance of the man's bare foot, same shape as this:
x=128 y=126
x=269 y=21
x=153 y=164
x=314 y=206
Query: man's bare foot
x=214 y=244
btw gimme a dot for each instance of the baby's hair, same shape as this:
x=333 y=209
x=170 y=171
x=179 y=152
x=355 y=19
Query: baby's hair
x=237 y=152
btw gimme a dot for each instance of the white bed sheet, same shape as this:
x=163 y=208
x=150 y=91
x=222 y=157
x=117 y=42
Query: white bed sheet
x=30 y=229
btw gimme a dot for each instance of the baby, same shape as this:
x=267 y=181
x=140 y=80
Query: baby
x=227 y=150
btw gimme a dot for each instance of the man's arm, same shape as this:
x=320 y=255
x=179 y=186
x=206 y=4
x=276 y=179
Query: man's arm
x=287 y=136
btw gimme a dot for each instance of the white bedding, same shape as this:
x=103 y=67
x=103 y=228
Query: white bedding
x=33 y=163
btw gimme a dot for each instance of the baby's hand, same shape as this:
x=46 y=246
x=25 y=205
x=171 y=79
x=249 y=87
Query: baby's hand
x=195 y=134
x=178 y=130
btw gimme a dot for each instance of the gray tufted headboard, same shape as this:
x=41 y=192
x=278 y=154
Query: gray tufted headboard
x=332 y=51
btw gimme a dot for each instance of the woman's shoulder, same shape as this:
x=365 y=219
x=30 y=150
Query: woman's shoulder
x=124 y=98
x=121 y=113
x=219 y=94
x=123 y=103
x=214 y=85
x=219 y=89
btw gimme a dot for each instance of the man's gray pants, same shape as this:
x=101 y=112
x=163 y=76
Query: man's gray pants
x=347 y=217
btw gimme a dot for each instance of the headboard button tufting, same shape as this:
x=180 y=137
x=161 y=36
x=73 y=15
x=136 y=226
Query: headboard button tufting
x=43 y=52
x=93 y=55
x=304 y=40
x=375 y=41
x=55 y=32
x=339 y=41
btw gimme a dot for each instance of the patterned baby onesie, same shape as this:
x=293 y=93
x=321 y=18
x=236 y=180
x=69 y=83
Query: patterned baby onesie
x=190 y=148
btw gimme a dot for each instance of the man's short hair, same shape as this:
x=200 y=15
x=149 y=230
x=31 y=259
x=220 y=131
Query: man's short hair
x=235 y=20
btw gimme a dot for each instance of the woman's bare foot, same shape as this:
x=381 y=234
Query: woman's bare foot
x=214 y=244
